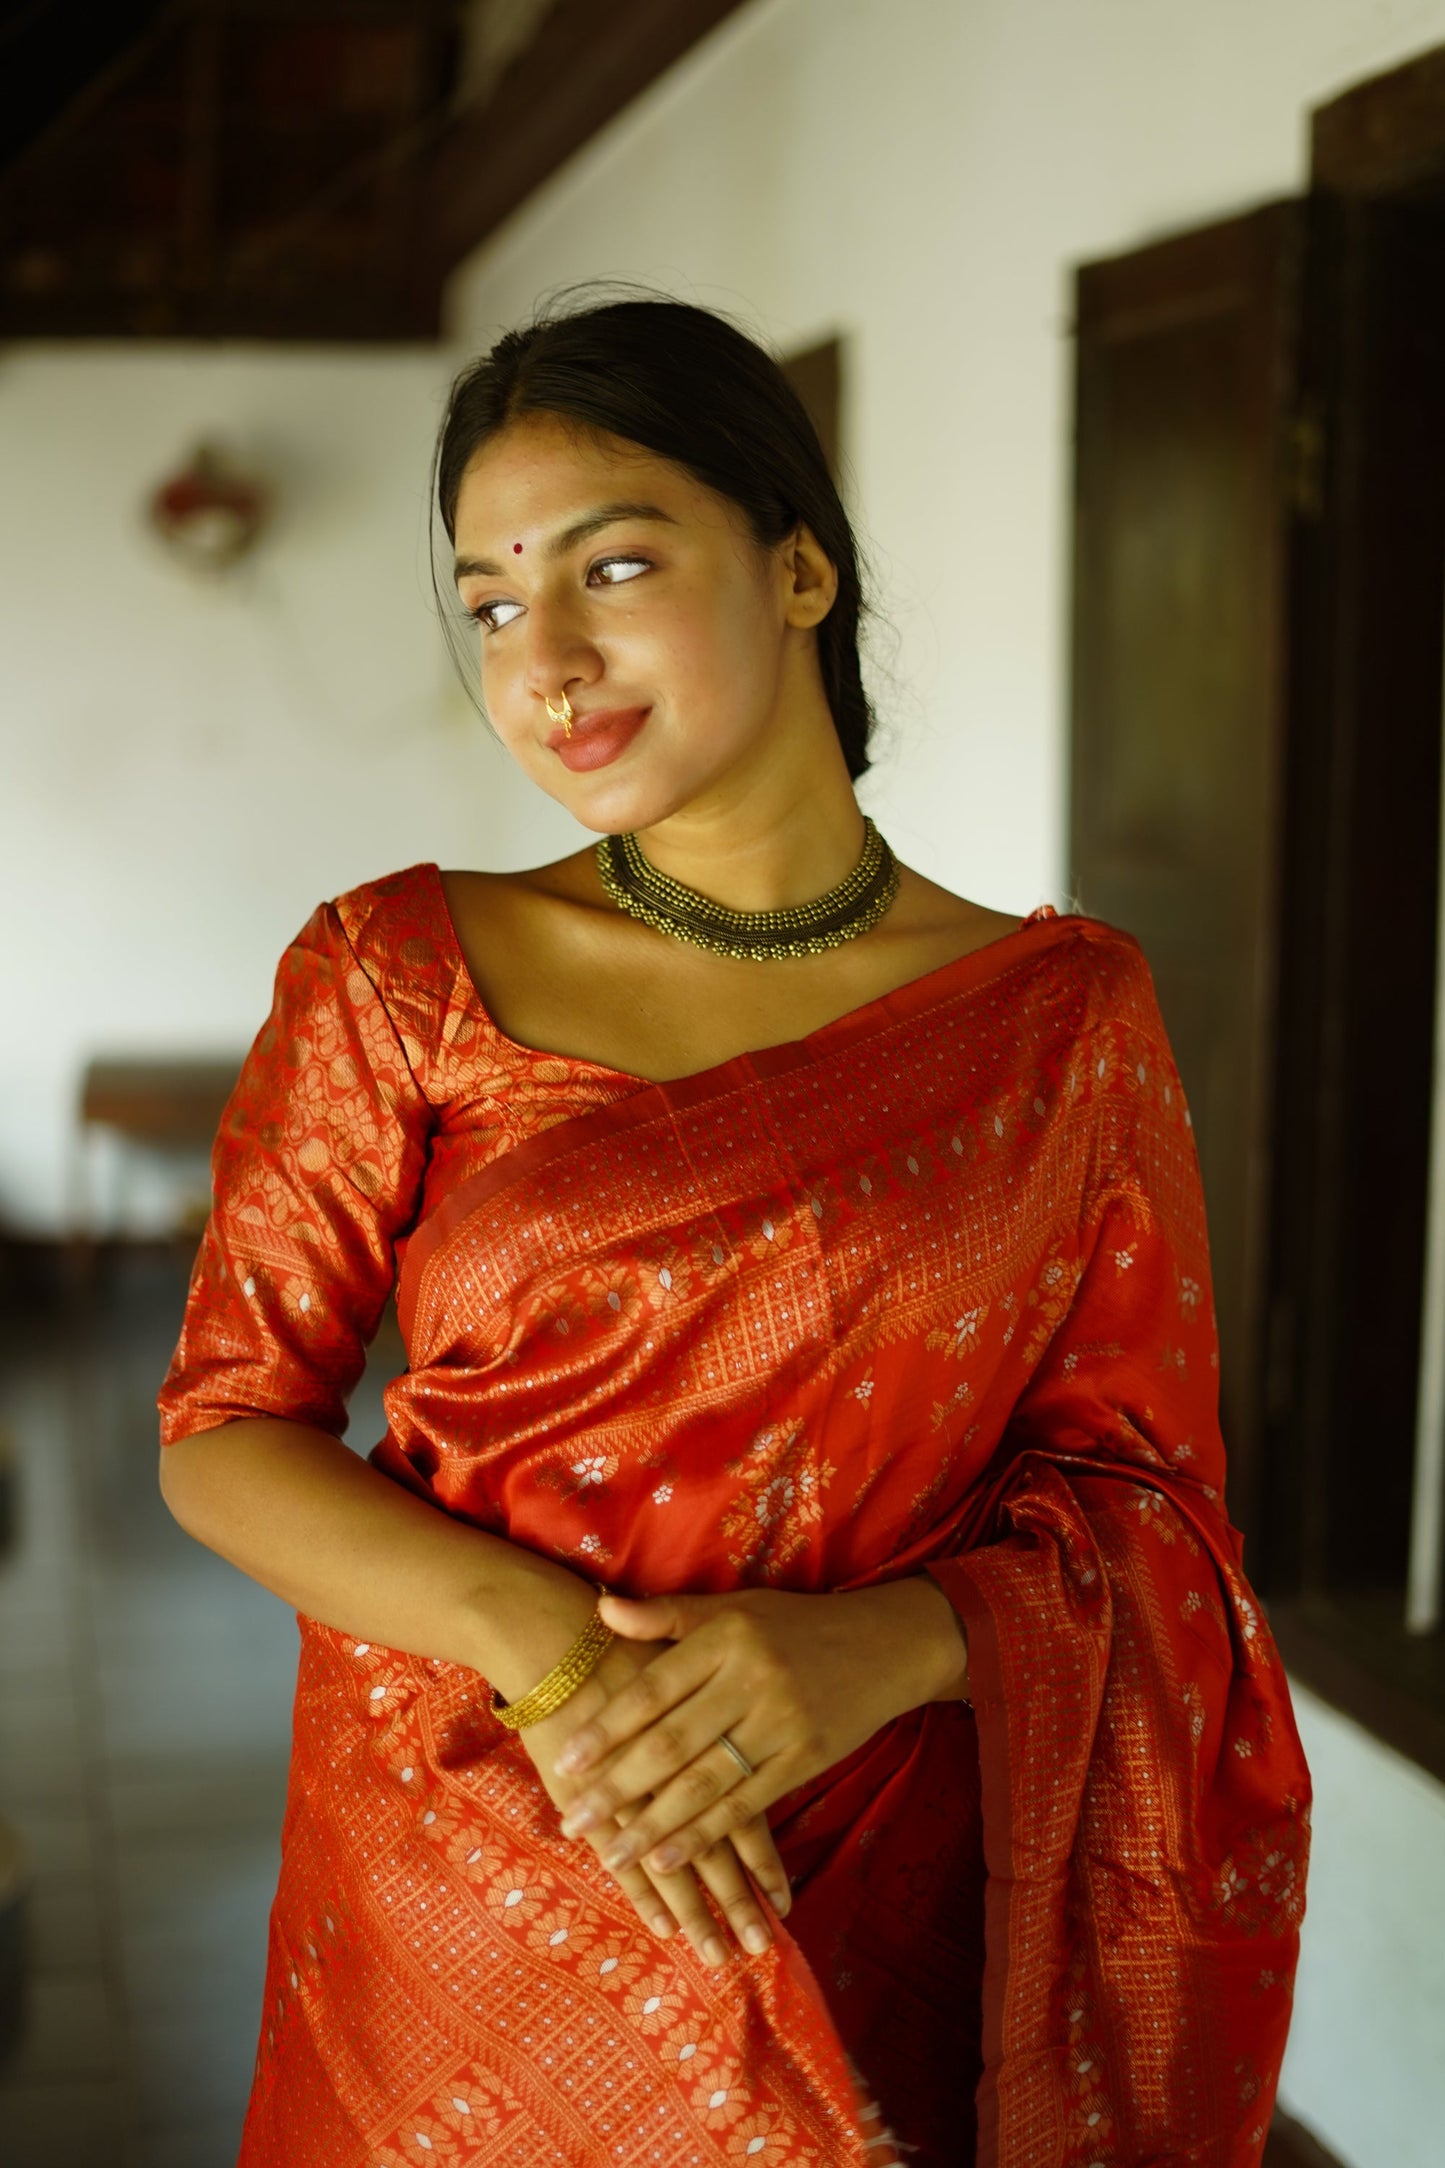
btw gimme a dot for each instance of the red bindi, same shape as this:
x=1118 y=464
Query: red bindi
x=517 y=548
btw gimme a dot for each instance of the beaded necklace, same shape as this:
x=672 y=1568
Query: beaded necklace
x=800 y=929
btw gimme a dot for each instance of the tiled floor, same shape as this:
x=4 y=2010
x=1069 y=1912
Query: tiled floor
x=145 y=1707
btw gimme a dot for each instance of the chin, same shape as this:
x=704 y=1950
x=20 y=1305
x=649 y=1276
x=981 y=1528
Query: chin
x=615 y=807
x=601 y=824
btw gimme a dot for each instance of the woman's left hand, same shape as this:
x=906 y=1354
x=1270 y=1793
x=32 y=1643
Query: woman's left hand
x=796 y=1682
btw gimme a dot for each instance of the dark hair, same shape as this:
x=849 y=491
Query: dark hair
x=689 y=385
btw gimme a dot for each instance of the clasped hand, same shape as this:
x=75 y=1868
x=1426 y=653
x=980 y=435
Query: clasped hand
x=797 y=1682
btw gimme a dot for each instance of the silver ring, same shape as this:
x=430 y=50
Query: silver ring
x=737 y=1754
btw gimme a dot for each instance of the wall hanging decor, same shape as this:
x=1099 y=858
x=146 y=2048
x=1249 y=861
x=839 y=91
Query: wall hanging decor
x=210 y=513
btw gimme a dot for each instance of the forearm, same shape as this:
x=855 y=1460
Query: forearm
x=298 y=1511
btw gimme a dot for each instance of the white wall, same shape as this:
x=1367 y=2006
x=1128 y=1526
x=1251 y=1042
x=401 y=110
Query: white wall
x=187 y=765
x=1365 y=2067
x=922 y=176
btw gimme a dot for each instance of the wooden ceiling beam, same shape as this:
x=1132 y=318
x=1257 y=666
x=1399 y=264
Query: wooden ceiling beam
x=198 y=170
x=363 y=241
x=583 y=66
x=95 y=94
x=318 y=310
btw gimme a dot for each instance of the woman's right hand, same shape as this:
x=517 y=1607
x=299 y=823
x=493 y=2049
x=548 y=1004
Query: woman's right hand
x=666 y=1902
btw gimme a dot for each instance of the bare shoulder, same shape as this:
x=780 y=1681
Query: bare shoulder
x=536 y=924
x=562 y=879
x=935 y=913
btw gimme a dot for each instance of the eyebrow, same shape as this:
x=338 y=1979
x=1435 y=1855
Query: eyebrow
x=604 y=516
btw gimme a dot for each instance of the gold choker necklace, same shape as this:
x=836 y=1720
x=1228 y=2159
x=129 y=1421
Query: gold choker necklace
x=801 y=929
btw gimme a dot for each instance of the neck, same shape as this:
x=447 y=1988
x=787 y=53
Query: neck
x=779 y=840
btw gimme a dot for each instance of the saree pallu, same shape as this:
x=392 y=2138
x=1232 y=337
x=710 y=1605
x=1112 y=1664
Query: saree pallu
x=927 y=1290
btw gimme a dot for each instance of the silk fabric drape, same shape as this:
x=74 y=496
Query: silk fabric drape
x=927 y=1289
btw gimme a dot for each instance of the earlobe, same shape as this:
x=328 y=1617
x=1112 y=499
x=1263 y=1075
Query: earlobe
x=812 y=607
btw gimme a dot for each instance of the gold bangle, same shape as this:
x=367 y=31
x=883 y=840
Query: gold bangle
x=561 y=1682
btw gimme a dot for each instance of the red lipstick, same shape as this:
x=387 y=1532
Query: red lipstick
x=597 y=738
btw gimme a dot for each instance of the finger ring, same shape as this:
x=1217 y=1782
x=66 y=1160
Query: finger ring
x=737 y=1754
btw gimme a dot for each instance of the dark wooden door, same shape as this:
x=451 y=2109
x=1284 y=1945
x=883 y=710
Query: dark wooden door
x=1189 y=446
x=816 y=375
x=1357 y=1009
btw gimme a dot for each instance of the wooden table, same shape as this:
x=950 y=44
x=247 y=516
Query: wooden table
x=158 y=1103
x=175 y=1104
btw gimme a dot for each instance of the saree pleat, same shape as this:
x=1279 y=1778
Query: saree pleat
x=927 y=1290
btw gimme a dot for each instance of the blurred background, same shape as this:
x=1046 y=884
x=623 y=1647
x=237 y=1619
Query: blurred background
x=1124 y=321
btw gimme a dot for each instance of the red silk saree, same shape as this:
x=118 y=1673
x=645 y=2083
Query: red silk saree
x=925 y=1290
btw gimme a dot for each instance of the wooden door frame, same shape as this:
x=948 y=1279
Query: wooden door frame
x=1384 y=139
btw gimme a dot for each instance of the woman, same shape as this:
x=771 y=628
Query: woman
x=813 y=1262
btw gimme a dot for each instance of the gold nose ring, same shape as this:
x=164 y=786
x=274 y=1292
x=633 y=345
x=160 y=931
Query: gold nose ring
x=562 y=715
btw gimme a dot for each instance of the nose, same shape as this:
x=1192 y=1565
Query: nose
x=559 y=654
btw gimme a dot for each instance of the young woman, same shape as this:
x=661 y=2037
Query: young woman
x=807 y=1475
